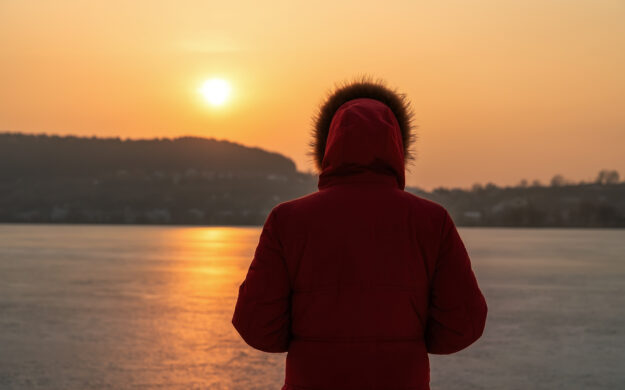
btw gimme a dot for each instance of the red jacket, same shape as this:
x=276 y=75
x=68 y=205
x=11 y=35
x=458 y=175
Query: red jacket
x=360 y=280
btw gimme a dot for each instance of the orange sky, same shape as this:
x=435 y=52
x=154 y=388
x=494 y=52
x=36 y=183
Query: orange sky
x=503 y=90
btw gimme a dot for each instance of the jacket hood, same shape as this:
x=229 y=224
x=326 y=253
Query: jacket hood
x=362 y=130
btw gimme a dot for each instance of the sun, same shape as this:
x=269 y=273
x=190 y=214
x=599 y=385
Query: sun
x=216 y=91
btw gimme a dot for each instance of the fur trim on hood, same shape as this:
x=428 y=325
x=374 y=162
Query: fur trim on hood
x=362 y=88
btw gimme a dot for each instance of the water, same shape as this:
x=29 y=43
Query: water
x=91 y=307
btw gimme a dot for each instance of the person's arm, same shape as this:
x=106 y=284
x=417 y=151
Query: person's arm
x=262 y=314
x=457 y=308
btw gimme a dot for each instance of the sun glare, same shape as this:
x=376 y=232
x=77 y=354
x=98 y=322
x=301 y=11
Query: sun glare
x=215 y=91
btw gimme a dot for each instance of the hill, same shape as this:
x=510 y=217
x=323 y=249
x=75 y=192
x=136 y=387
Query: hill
x=187 y=180
x=49 y=155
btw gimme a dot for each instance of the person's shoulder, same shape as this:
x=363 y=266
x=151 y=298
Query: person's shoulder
x=425 y=205
x=289 y=206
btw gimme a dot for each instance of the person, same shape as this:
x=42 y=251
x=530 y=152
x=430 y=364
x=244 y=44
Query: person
x=361 y=279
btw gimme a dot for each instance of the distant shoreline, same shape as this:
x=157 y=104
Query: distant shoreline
x=260 y=226
x=192 y=181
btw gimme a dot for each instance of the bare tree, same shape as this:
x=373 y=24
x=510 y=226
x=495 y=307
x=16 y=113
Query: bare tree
x=606 y=176
x=490 y=186
x=558 y=181
x=477 y=187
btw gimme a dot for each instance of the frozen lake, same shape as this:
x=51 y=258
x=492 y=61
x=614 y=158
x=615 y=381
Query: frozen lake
x=90 y=307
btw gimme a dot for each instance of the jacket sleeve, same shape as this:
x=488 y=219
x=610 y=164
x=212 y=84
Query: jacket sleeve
x=457 y=308
x=262 y=314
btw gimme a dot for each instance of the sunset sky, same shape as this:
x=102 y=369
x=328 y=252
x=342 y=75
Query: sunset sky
x=502 y=90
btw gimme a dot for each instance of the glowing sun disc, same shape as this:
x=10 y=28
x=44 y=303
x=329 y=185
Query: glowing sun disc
x=215 y=91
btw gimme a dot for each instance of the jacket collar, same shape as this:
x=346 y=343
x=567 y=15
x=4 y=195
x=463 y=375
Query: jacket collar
x=364 y=145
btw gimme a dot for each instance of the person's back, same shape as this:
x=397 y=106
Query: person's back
x=360 y=280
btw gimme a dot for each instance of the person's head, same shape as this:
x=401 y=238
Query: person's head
x=374 y=126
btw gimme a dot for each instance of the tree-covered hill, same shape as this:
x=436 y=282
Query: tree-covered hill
x=69 y=156
x=187 y=180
